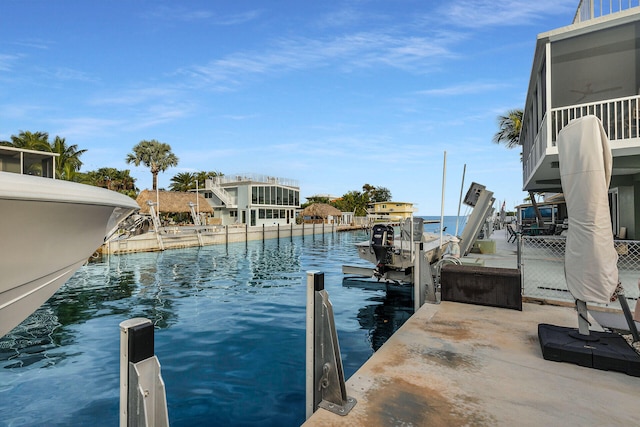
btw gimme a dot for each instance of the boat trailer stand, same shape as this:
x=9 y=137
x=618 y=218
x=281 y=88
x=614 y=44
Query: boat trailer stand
x=143 y=400
x=325 y=385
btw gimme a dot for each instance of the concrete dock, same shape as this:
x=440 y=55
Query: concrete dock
x=460 y=364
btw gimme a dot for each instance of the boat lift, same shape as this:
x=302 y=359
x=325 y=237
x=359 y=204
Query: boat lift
x=325 y=385
x=422 y=273
x=143 y=401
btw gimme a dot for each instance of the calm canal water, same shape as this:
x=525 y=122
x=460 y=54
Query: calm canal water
x=230 y=333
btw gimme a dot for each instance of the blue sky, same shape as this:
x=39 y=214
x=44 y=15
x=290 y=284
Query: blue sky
x=334 y=94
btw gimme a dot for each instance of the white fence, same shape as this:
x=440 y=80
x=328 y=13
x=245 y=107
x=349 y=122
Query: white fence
x=590 y=9
x=542 y=266
x=620 y=117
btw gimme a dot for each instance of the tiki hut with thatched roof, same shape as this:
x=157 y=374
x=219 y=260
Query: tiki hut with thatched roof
x=173 y=201
x=319 y=213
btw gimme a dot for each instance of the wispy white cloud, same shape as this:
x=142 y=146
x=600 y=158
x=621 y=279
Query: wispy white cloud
x=80 y=127
x=157 y=115
x=239 y=117
x=7 y=61
x=67 y=74
x=33 y=43
x=347 y=52
x=465 y=89
x=136 y=96
x=485 y=13
x=341 y=18
x=238 y=18
x=184 y=14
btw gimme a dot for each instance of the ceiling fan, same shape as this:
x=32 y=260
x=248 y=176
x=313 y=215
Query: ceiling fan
x=588 y=90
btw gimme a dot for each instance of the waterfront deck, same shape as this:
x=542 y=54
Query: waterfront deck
x=460 y=364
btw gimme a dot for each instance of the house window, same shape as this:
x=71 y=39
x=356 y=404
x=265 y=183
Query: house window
x=268 y=195
x=261 y=214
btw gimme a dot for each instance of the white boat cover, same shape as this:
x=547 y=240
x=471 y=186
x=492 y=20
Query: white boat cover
x=590 y=262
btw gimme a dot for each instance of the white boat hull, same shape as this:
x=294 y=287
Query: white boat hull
x=48 y=229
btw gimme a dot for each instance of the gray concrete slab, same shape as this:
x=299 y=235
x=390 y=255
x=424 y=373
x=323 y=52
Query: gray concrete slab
x=505 y=255
x=459 y=364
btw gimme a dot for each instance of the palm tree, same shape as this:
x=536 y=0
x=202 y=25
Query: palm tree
x=68 y=161
x=202 y=176
x=509 y=128
x=155 y=155
x=38 y=141
x=111 y=179
x=183 y=181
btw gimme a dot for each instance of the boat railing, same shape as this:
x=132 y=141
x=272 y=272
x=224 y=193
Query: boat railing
x=591 y=9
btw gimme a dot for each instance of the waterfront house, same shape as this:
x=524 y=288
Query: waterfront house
x=252 y=199
x=28 y=162
x=590 y=67
x=390 y=211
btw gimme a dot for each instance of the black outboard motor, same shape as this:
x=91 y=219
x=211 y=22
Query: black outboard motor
x=382 y=245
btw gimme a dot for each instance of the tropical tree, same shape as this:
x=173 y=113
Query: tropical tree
x=509 y=127
x=353 y=201
x=111 y=179
x=68 y=161
x=377 y=194
x=317 y=199
x=155 y=155
x=38 y=141
x=202 y=176
x=183 y=181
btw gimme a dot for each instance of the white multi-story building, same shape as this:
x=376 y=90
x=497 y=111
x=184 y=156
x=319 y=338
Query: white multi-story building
x=589 y=67
x=253 y=199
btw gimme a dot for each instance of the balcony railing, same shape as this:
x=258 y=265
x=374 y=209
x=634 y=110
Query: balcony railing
x=252 y=177
x=591 y=9
x=620 y=117
x=530 y=159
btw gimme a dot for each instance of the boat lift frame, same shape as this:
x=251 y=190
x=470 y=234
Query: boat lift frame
x=325 y=385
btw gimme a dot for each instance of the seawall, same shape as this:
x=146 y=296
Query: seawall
x=176 y=237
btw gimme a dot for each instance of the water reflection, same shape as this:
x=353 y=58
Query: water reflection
x=230 y=333
x=388 y=309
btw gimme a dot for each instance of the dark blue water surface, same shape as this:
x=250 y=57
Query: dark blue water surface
x=230 y=333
